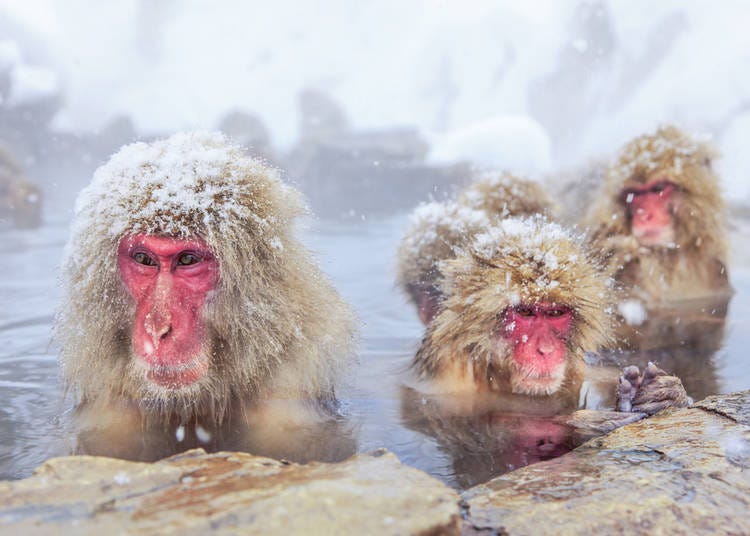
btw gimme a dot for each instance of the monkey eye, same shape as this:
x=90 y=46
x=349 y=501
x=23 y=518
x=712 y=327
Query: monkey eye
x=142 y=258
x=659 y=187
x=522 y=310
x=186 y=259
x=556 y=312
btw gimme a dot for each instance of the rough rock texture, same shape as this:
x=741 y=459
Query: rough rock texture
x=681 y=472
x=227 y=493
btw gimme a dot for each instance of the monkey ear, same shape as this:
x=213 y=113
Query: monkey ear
x=707 y=162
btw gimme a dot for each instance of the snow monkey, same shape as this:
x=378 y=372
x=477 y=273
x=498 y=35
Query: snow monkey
x=522 y=305
x=503 y=194
x=660 y=218
x=437 y=230
x=192 y=315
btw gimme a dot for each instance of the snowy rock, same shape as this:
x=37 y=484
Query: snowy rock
x=514 y=143
x=228 y=493
x=680 y=472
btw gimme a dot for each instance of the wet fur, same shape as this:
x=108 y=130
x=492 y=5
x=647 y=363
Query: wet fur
x=278 y=328
x=458 y=348
x=494 y=195
x=697 y=266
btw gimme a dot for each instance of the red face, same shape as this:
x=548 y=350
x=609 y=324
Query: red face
x=538 y=337
x=651 y=209
x=169 y=280
x=537 y=439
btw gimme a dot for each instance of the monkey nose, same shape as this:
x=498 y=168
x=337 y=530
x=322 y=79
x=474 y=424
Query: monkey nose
x=163 y=332
x=545 y=348
x=158 y=326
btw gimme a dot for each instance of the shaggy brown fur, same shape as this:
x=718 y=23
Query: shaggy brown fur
x=519 y=261
x=503 y=194
x=696 y=265
x=278 y=328
x=438 y=230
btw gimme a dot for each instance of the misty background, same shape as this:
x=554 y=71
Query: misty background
x=331 y=91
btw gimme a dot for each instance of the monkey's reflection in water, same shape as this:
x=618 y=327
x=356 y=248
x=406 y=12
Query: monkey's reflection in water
x=683 y=339
x=279 y=432
x=487 y=442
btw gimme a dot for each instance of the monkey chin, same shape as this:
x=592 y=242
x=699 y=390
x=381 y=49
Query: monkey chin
x=166 y=383
x=655 y=237
x=532 y=383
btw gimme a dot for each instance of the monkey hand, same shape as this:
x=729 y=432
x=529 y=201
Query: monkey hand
x=649 y=392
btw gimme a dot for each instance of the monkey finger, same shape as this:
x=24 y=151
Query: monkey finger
x=661 y=388
x=625 y=393
x=651 y=372
x=667 y=392
x=633 y=375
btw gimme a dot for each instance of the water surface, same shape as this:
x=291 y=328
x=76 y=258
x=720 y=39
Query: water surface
x=359 y=256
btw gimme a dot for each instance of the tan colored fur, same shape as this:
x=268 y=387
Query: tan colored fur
x=279 y=328
x=491 y=197
x=431 y=239
x=697 y=265
x=459 y=350
x=503 y=195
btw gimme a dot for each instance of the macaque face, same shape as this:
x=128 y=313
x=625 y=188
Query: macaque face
x=537 y=334
x=651 y=212
x=170 y=281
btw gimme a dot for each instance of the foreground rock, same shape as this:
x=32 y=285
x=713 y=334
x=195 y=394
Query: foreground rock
x=227 y=493
x=682 y=472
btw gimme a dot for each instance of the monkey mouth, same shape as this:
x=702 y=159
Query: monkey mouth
x=538 y=381
x=541 y=386
x=655 y=236
x=175 y=376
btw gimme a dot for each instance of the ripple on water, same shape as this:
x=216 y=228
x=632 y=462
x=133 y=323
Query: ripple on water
x=360 y=257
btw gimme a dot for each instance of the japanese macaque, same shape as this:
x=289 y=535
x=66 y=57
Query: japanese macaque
x=660 y=219
x=522 y=305
x=438 y=230
x=192 y=314
x=20 y=199
x=501 y=370
x=503 y=194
